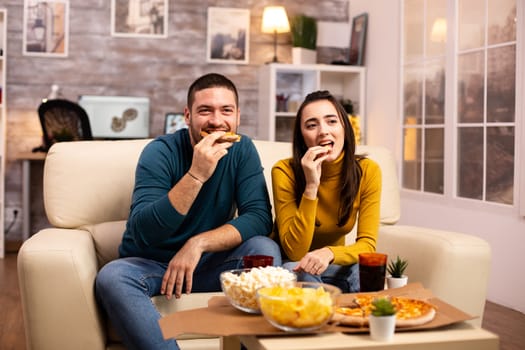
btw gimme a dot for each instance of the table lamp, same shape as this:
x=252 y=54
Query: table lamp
x=275 y=21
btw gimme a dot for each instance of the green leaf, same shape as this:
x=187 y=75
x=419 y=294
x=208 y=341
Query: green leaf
x=396 y=268
x=304 y=32
x=383 y=307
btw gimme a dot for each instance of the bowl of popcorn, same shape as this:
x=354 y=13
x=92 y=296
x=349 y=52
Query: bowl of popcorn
x=240 y=285
x=303 y=307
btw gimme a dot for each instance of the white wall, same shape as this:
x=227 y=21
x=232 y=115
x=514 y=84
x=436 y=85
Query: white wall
x=382 y=61
x=503 y=228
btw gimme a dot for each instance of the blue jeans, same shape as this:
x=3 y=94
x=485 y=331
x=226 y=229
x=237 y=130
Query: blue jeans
x=346 y=277
x=124 y=287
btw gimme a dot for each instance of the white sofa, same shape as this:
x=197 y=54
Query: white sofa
x=87 y=192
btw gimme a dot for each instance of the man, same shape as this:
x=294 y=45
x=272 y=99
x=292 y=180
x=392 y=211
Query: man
x=182 y=231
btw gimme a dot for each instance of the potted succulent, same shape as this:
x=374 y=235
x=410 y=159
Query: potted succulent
x=304 y=39
x=382 y=319
x=396 y=273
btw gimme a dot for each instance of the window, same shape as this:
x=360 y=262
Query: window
x=479 y=119
x=424 y=95
x=486 y=99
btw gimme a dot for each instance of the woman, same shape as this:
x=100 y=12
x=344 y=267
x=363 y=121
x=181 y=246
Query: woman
x=321 y=192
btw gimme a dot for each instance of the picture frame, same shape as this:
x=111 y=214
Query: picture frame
x=358 y=40
x=139 y=18
x=45 y=28
x=174 y=121
x=228 y=35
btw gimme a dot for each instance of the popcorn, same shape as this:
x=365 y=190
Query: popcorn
x=240 y=285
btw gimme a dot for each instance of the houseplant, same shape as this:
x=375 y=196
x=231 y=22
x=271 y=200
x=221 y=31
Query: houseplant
x=396 y=273
x=382 y=319
x=304 y=39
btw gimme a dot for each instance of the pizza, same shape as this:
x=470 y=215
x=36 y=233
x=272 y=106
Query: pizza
x=410 y=312
x=227 y=137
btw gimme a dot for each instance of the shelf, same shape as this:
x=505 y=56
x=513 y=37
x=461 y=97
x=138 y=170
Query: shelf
x=285 y=114
x=282 y=88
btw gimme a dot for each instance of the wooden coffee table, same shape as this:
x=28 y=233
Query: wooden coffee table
x=460 y=336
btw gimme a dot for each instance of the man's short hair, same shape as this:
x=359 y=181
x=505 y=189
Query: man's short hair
x=208 y=81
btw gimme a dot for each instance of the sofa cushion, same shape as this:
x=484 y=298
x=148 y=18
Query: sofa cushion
x=390 y=210
x=89 y=182
x=270 y=153
x=107 y=237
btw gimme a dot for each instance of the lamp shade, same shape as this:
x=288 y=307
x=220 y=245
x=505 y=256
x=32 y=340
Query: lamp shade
x=439 y=30
x=275 y=20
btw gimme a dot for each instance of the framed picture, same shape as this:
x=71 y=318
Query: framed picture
x=139 y=18
x=174 y=121
x=358 y=40
x=46 y=28
x=228 y=35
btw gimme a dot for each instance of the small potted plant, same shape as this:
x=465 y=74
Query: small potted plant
x=396 y=273
x=382 y=319
x=304 y=39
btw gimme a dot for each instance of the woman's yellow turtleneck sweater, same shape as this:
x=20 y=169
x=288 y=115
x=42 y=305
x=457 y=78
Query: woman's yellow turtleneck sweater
x=313 y=224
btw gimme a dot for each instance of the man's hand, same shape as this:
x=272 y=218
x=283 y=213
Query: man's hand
x=206 y=155
x=180 y=270
x=182 y=266
x=316 y=261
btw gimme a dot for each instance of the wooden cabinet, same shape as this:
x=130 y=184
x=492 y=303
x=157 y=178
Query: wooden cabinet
x=282 y=87
x=3 y=122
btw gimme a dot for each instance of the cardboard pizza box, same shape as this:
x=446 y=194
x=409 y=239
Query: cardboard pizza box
x=222 y=319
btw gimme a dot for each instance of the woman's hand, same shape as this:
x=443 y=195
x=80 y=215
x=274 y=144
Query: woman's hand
x=311 y=163
x=316 y=261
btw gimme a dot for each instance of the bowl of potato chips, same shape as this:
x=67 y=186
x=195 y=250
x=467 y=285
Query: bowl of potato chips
x=240 y=285
x=303 y=307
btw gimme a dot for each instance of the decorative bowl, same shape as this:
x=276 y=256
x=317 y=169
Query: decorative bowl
x=240 y=285
x=304 y=307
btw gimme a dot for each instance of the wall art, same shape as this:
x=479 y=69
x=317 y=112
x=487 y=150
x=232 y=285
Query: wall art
x=228 y=35
x=139 y=18
x=46 y=28
x=174 y=121
x=358 y=40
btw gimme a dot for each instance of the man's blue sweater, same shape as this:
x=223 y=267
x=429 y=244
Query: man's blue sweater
x=155 y=230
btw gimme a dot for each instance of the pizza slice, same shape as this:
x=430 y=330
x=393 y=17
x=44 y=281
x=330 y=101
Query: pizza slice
x=413 y=312
x=350 y=316
x=410 y=312
x=227 y=137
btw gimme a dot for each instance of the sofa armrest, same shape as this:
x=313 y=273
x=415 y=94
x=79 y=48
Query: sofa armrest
x=454 y=266
x=56 y=271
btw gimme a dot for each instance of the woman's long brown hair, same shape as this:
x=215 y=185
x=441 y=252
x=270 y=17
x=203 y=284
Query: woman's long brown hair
x=350 y=179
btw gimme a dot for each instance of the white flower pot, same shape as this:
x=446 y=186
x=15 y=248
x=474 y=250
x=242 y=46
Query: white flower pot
x=382 y=328
x=396 y=282
x=303 y=56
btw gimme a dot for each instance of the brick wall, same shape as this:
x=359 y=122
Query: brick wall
x=159 y=68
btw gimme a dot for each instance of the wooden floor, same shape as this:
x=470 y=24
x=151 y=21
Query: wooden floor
x=507 y=323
